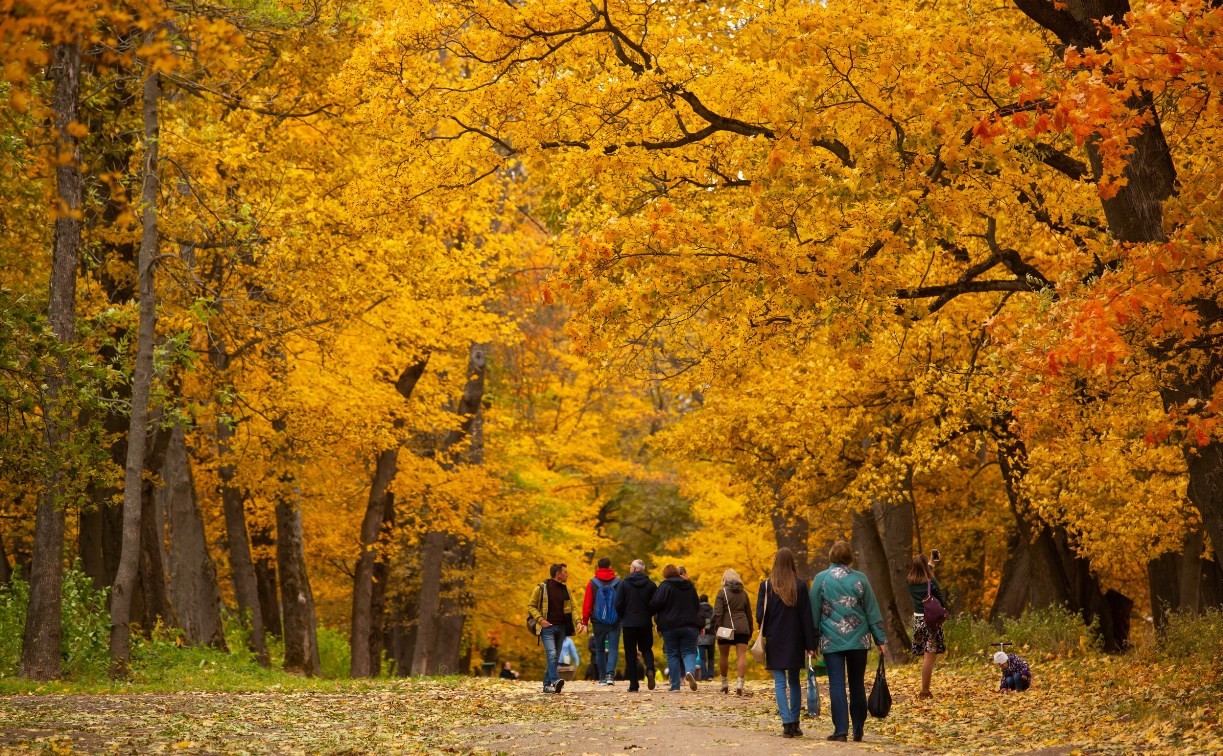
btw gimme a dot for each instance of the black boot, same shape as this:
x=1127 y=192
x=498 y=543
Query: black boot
x=787 y=730
x=798 y=731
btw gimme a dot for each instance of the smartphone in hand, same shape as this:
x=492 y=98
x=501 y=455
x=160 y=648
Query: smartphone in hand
x=935 y=556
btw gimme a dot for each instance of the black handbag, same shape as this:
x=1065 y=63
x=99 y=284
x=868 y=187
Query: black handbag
x=880 y=701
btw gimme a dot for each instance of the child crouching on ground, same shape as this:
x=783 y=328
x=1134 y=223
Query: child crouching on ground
x=1016 y=675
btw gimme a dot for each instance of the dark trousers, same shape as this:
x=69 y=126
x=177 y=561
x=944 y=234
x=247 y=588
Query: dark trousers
x=637 y=639
x=843 y=665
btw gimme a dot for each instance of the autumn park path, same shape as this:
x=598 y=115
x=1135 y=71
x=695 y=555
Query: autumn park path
x=457 y=716
x=614 y=721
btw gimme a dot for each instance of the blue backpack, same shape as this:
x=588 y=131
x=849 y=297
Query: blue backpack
x=605 y=602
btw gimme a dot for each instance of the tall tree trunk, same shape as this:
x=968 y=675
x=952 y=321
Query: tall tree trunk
x=153 y=599
x=40 y=649
x=101 y=521
x=792 y=532
x=894 y=522
x=1184 y=581
x=427 y=655
x=142 y=382
x=378 y=594
x=297 y=600
x=873 y=562
x=193 y=577
x=240 y=565
x=263 y=547
x=1135 y=215
x=433 y=550
x=364 y=662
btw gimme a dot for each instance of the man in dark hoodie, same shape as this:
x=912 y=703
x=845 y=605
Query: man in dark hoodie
x=599 y=613
x=677 y=612
x=633 y=606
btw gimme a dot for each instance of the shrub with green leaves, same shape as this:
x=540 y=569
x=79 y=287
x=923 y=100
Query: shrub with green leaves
x=85 y=626
x=1054 y=630
x=1187 y=635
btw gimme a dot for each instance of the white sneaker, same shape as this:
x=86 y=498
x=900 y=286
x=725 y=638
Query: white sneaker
x=690 y=680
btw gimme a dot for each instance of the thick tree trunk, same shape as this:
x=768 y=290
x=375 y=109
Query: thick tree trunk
x=428 y=655
x=363 y=581
x=240 y=565
x=873 y=562
x=193 y=577
x=366 y=662
x=894 y=522
x=792 y=532
x=433 y=550
x=263 y=548
x=1184 y=581
x=382 y=576
x=142 y=382
x=297 y=600
x=40 y=650
x=1135 y=215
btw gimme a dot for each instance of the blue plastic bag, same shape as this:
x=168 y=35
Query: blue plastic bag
x=813 y=692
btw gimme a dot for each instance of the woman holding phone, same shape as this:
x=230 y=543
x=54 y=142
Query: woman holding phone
x=927 y=641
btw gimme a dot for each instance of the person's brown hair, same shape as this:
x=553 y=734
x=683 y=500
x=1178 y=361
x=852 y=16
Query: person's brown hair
x=670 y=571
x=920 y=572
x=784 y=577
x=841 y=553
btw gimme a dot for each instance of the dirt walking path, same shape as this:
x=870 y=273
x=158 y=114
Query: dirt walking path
x=433 y=716
x=614 y=721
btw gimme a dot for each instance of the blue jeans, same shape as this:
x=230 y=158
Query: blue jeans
x=1015 y=682
x=553 y=637
x=680 y=643
x=851 y=665
x=607 y=646
x=789 y=703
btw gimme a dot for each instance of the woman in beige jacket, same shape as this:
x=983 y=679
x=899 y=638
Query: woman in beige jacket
x=733 y=611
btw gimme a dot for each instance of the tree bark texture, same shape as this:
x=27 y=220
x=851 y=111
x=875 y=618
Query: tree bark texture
x=238 y=544
x=142 y=382
x=792 y=532
x=6 y=571
x=297 y=600
x=872 y=560
x=101 y=521
x=428 y=657
x=1184 y=581
x=263 y=549
x=366 y=662
x=382 y=574
x=40 y=649
x=193 y=577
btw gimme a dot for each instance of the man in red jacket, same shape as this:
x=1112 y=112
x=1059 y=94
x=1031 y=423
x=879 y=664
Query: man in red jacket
x=599 y=608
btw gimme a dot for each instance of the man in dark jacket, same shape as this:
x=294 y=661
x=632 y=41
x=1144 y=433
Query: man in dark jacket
x=633 y=606
x=677 y=612
x=704 y=644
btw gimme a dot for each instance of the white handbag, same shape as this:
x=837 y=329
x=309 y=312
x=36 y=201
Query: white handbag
x=727 y=633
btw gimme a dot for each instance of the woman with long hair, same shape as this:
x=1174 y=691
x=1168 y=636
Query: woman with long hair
x=784 y=612
x=927 y=641
x=732 y=610
x=847 y=616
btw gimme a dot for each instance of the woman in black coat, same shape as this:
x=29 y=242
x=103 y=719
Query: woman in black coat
x=783 y=610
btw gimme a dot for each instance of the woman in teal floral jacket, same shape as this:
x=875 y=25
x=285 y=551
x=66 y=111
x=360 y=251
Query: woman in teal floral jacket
x=846 y=618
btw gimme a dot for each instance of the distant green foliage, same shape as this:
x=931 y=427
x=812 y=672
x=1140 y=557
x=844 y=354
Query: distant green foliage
x=1189 y=635
x=160 y=659
x=334 y=653
x=1055 y=630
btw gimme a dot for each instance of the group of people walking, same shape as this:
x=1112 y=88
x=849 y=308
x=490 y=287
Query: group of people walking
x=837 y=616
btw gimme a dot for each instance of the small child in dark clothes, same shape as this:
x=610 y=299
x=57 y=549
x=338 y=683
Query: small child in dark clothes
x=1016 y=675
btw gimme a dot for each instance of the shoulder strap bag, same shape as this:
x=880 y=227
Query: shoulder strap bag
x=933 y=612
x=758 y=647
x=727 y=633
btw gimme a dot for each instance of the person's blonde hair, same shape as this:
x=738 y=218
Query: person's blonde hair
x=784 y=577
x=920 y=572
x=730 y=576
x=841 y=553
